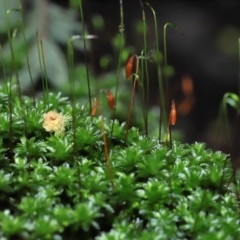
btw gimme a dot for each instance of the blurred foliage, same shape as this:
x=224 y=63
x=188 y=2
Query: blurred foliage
x=11 y=4
x=42 y=22
x=53 y=25
x=226 y=40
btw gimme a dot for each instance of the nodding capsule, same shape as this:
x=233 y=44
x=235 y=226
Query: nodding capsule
x=173 y=114
x=110 y=99
x=129 y=67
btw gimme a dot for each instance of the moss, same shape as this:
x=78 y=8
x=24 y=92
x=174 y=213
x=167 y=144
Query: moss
x=159 y=193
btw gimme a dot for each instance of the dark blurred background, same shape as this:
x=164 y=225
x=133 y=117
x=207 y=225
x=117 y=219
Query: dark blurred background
x=206 y=56
x=205 y=60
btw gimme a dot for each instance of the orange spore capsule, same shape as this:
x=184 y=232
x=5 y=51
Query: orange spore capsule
x=129 y=67
x=94 y=108
x=110 y=99
x=173 y=114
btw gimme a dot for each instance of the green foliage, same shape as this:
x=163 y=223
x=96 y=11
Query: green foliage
x=45 y=18
x=58 y=186
x=172 y=193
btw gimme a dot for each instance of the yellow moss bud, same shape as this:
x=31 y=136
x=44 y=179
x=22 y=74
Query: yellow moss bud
x=55 y=122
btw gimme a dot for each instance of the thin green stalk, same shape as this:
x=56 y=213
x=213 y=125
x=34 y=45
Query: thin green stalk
x=41 y=70
x=228 y=96
x=121 y=30
x=142 y=90
x=70 y=54
x=233 y=100
x=71 y=80
x=28 y=64
x=235 y=130
x=238 y=109
x=74 y=118
x=146 y=92
x=165 y=56
x=10 y=39
x=135 y=77
x=238 y=105
x=44 y=72
x=219 y=123
x=9 y=94
x=4 y=72
x=14 y=69
x=85 y=53
x=109 y=169
x=239 y=67
x=163 y=111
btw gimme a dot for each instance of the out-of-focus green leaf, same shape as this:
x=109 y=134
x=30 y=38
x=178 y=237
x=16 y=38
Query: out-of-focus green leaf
x=53 y=25
x=13 y=18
